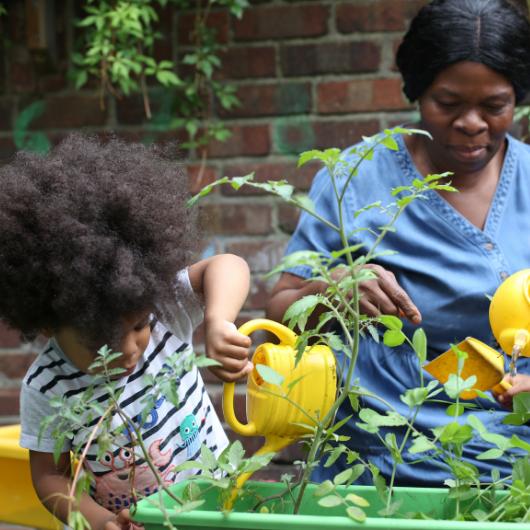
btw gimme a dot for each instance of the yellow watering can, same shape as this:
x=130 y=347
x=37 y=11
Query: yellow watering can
x=483 y=361
x=311 y=387
x=509 y=317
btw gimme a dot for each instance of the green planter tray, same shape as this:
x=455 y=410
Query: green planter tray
x=430 y=501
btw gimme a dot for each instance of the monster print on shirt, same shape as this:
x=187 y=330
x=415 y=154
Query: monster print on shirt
x=189 y=432
x=112 y=490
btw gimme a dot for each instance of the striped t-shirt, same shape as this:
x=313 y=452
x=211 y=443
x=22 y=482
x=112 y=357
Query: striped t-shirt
x=171 y=434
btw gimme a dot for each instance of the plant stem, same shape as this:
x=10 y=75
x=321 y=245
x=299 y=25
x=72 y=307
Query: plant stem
x=81 y=459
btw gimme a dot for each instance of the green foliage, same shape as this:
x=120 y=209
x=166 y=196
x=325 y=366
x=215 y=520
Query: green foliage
x=342 y=271
x=338 y=304
x=25 y=138
x=222 y=472
x=90 y=418
x=117 y=49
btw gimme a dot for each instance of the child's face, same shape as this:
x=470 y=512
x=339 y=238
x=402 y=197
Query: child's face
x=134 y=340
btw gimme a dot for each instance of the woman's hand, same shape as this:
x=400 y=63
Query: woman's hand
x=384 y=296
x=520 y=383
x=122 y=521
x=229 y=347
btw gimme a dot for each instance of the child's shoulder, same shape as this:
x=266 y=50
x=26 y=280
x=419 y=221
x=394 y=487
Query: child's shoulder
x=49 y=368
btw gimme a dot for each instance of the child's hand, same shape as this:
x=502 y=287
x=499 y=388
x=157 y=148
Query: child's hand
x=229 y=347
x=122 y=521
x=520 y=383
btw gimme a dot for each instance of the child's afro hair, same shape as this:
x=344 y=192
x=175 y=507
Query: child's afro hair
x=90 y=233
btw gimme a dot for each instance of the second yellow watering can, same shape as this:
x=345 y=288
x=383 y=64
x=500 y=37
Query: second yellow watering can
x=482 y=361
x=311 y=386
x=509 y=317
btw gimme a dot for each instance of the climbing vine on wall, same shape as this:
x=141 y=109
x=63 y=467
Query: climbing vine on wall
x=117 y=49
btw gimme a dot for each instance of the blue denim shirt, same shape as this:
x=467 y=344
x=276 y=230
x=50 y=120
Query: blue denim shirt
x=447 y=266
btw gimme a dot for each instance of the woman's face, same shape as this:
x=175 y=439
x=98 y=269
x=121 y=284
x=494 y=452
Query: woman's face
x=468 y=110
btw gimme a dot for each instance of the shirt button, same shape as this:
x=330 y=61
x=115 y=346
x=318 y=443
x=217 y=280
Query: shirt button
x=488 y=246
x=504 y=275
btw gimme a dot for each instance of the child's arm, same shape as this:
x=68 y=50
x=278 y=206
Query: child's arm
x=224 y=282
x=52 y=484
x=520 y=383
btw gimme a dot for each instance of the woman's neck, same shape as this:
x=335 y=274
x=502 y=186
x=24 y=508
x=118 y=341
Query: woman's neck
x=476 y=189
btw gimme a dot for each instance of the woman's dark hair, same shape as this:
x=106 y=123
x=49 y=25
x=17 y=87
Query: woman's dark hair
x=90 y=233
x=492 y=32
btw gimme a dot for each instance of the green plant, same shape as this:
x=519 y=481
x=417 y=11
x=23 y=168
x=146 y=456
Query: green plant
x=343 y=271
x=84 y=419
x=26 y=139
x=118 y=50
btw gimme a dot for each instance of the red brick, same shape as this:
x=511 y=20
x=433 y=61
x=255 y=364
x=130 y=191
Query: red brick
x=15 y=365
x=232 y=219
x=171 y=139
x=217 y=20
x=270 y=100
x=260 y=290
x=22 y=77
x=9 y=338
x=300 y=178
x=288 y=218
x=360 y=95
x=162 y=51
x=295 y=136
x=130 y=110
x=395 y=45
x=342 y=134
x=199 y=176
x=293 y=452
x=6 y=113
x=388 y=95
x=376 y=15
x=71 y=111
x=245 y=62
x=330 y=58
x=239 y=403
x=251 y=140
x=52 y=82
x=250 y=443
x=9 y=401
x=7 y=150
x=261 y=256
x=280 y=22
x=16 y=22
x=165 y=18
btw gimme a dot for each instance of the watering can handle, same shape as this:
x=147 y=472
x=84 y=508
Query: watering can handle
x=286 y=337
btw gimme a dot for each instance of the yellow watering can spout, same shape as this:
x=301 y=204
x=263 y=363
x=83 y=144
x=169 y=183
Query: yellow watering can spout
x=311 y=385
x=272 y=444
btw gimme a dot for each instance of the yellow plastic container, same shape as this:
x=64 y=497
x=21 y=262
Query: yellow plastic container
x=510 y=313
x=19 y=503
x=311 y=386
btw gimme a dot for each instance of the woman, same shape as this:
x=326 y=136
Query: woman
x=467 y=64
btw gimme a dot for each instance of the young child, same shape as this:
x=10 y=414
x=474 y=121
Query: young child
x=95 y=243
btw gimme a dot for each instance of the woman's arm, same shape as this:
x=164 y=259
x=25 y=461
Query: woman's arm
x=224 y=282
x=288 y=290
x=382 y=295
x=52 y=484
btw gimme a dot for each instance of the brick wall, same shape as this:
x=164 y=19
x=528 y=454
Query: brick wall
x=309 y=73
